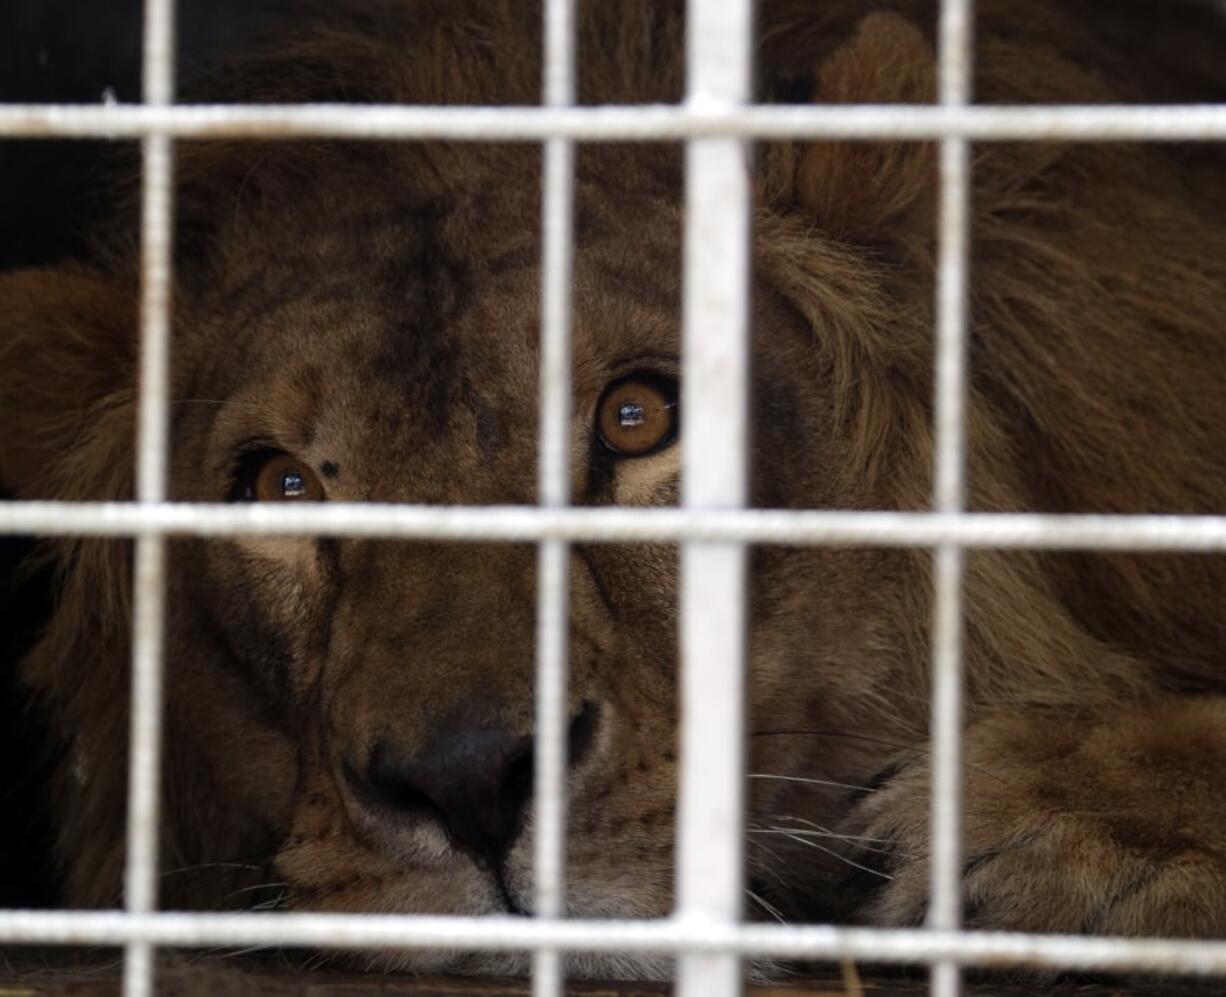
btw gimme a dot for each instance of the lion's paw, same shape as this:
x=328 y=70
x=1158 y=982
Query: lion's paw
x=1073 y=824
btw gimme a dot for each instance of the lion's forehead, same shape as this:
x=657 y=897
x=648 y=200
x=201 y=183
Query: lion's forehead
x=402 y=342
x=412 y=259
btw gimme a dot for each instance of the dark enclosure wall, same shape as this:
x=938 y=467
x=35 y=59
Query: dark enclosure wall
x=68 y=51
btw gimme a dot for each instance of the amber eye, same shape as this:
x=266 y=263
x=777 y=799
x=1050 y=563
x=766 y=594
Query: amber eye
x=272 y=476
x=637 y=415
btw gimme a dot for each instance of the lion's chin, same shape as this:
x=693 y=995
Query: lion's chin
x=428 y=961
x=451 y=961
x=578 y=965
x=324 y=877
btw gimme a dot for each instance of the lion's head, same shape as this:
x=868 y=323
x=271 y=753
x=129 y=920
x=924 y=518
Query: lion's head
x=360 y=323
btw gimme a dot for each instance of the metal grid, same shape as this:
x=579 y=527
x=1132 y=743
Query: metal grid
x=718 y=123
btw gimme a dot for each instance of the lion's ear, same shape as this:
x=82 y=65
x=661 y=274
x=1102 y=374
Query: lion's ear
x=864 y=191
x=68 y=343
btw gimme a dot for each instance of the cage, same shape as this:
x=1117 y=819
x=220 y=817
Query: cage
x=718 y=122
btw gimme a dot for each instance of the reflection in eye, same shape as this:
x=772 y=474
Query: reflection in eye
x=273 y=476
x=293 y=485
x=637 y=415
x=284 y=478
x=631 y=414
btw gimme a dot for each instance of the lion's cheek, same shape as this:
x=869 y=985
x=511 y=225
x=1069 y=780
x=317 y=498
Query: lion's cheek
x=259 y=772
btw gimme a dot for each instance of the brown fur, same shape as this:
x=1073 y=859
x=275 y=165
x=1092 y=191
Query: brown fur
x=375 y=307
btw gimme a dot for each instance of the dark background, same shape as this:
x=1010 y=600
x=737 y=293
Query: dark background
x=75 y=51
x=68 y=51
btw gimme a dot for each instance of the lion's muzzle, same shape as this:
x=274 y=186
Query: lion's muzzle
x=474 y=781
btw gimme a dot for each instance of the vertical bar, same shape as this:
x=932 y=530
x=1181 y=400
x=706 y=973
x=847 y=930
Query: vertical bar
x=553 y=571
x=145 y=763
x=955 y=79
x=715 y=401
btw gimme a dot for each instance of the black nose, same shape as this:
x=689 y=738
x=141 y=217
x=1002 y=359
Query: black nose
x=474 y=781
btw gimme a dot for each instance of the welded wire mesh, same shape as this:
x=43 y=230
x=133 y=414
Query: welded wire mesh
x=719 y=124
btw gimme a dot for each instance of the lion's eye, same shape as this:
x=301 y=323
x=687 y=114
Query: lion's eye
x=272 y=476
x=637 y=415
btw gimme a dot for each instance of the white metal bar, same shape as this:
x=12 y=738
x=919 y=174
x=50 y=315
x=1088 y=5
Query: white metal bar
x=955 y=70
x=553 y=574
x=525 y=524
x=149 y=590
x=715 y=349
x=956 y=54
x=1081 y=123
x=999 y=950
x=945 y=903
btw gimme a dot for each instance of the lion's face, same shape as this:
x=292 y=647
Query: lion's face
x=360 y=324
x=386 y=350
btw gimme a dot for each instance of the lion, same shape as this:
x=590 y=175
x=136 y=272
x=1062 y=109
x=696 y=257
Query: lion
x=355 y=321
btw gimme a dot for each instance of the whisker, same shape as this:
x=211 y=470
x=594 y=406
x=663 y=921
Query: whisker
x=796 y=834
x=253 y=889
x=770 y=908
x=812 y=781
x=764 y=868
x=239 y=952
x=211 y=865
x=833 y=854
x=850 y=735
x=826 y=830
x=276 y=903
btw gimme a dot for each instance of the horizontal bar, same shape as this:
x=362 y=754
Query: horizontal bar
x=996 y=950
x=1037 y=531
x=648 y=122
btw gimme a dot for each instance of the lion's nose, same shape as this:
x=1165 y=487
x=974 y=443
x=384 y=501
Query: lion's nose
x=474 y=781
